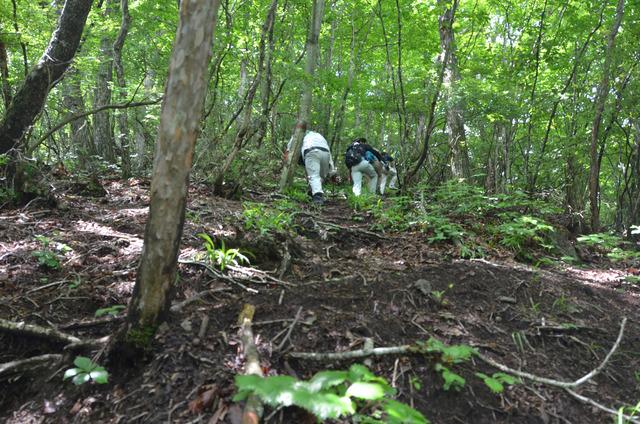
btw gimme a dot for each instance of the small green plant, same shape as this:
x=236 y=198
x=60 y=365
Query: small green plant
x=523 y=232
x=497 y=381
x=441 y=228
x=362 y=203
x=630 y=412
x=451 y=379
x=86 y=370
x=602 y=240
x=111 y=310
x=46 y=256
x=222 y=256
x=332 y=394
x=258 y=217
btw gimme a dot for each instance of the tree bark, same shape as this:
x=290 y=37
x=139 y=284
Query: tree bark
x=601 y=98
x=74 y=104
x=459 y=156
x=123 y=126
x=305 y=103
x=179 y=125
x=4 y=74
x=102 y=129
x=29 y=100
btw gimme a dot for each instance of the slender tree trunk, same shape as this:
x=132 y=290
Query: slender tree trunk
x=23 y=46
x=4 y=74
x=123 y=126
x=305 y=103
x=140 y=130
x=244 y=128
x=459 y=157
x=102 y=128
x=74 y=103
x=532 y=98
x=601 y=98
x=179 y=125
x=29 y=100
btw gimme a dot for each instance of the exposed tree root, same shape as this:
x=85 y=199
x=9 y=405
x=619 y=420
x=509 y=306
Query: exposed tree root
x=15 y=367
x=253 y=408
x=37 y=331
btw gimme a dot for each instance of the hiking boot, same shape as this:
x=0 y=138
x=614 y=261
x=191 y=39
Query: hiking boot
x=318 y=199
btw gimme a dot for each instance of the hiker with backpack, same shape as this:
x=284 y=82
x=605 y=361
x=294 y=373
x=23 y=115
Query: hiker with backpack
x=362 y=160
x=317 y=161
x=387 y=170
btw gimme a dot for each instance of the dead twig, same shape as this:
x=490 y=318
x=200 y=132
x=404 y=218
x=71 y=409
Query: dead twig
x=177 y=307
x=219 y=275
x=558 y=383
x=293 y=324
x=589 y=401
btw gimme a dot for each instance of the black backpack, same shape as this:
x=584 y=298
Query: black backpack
x=354 y=155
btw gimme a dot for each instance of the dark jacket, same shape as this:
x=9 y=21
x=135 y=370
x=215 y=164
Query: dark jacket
x=359 y=150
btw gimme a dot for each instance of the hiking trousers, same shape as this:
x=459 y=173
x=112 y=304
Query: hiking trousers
x=317 y=163
x=364 y=168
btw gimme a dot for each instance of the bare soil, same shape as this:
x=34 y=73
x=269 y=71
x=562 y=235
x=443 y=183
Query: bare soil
x=348 y=282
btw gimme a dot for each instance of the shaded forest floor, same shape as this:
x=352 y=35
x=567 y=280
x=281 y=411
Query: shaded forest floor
x=348 y=282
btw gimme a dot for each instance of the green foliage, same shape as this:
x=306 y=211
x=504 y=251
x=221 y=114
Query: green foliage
x=46 y=256
x=392 y=214
x=111 y=310
x=602 y=240
x=611 y=244
x=222 y=256
x=364 y=202
x=86 y=370
x=266 y=220
x=441 y=228
x=453 y=354
x=524 y=232
x=629 y=411
x=451 y=379
x=497 y=381
x=331 y=394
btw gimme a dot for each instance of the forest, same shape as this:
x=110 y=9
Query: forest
x=162 y=258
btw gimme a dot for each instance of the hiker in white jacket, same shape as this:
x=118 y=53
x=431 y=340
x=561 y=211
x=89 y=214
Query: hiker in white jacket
x=317 y=161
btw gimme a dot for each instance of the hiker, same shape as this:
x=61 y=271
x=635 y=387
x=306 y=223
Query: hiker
x=387 y=169
x=362 y=159
x=317 y=161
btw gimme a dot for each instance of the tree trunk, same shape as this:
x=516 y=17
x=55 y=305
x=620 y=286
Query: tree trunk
x=123 y=126
x=244 y=128
x=179 y=125
x=102 y=128
x=74 y=103
x=28 y=101
x=4 y=74
x=601 y=98
x=305 y=103
x=459 y=157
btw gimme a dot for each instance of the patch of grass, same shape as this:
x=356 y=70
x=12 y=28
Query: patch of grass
x=257 y=216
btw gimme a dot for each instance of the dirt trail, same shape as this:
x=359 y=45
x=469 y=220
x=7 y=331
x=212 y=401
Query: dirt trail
x=350 y=283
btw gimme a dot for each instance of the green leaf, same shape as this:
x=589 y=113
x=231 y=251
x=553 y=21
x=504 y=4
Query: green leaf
x=71 y=372
x=81 y=378
x=399 y=413
x=325 y=379
x=494 y=385
x=84 y=363
x=368 y=391
x=100 y=375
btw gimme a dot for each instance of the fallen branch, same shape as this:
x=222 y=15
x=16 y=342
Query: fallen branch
x=15 y=367
x=253 y=408
x=406 y=349
x=355 y=354
x=219 y=275
x=351 y=229
x=589 y=401
x=557 y=383
x=37 y=331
